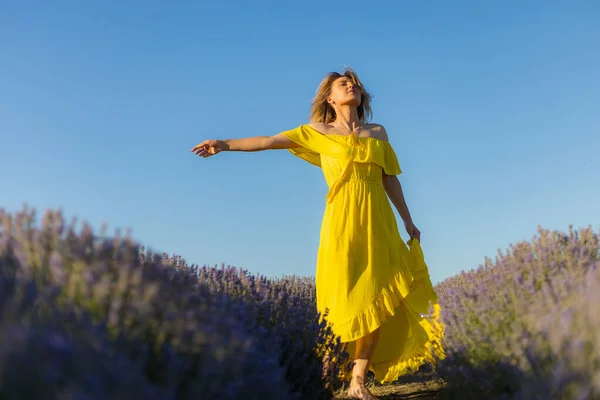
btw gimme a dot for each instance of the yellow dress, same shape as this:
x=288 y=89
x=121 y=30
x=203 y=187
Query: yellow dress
x=366 y=276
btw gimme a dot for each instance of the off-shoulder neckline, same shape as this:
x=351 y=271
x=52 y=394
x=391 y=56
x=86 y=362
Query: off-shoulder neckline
x=340 y=135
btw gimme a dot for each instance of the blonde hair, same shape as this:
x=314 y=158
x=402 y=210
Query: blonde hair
x=322 y=111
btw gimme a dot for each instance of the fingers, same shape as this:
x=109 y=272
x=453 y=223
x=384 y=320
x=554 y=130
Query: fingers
x=200 y=145
x=417 y=234
x=414 y=233
x=205 y=153
x=204 y=149
x=201 y=150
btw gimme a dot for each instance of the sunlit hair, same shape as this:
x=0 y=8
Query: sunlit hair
x=322 y=111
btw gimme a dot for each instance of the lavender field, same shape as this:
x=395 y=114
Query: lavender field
x=86 y=315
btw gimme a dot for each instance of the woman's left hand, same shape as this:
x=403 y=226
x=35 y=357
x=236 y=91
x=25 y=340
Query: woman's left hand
x=412 y=231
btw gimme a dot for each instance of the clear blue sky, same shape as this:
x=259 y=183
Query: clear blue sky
x=492 y=107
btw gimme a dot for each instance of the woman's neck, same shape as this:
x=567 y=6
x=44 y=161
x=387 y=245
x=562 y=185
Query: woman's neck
x=346 y=117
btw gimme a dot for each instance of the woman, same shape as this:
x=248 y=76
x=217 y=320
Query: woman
x=376 y=289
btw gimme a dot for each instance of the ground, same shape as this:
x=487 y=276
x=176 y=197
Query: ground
x=423 y=385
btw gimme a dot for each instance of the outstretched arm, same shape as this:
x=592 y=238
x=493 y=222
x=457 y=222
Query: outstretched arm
x=257 y=143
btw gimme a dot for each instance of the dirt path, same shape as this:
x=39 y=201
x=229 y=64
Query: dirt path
x=421 y=386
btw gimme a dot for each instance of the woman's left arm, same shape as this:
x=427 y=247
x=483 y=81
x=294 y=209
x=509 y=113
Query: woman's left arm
x=393 y=188
x=394 y=191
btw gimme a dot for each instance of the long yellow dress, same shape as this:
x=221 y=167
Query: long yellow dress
x=366 y=276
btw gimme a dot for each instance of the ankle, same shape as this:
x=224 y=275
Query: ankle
x=358 y=380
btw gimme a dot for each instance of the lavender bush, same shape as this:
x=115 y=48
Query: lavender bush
x=84 y=314
x=286 y=307
x=526 y=326
x=285 y=310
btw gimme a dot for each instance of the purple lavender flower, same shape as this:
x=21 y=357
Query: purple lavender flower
x=115 y=319
x=525 y=326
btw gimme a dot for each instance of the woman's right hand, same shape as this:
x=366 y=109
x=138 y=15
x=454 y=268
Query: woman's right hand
x=210 y=147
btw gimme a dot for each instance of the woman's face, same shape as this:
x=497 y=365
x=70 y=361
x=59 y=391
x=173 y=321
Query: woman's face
x=344 y=92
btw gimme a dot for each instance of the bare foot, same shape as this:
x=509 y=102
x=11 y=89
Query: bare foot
x=358 y=390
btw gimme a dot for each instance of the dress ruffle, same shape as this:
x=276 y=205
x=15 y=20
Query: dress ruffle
x=427 y=351
x=417 y=297
x=418 y=302
x=369 y=149
x=310 y=140
x=349 y=148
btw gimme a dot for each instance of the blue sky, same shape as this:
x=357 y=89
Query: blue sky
x=492 y=108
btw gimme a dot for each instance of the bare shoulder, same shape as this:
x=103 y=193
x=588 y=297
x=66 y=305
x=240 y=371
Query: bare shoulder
x=319 y=126
x=377 y=131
